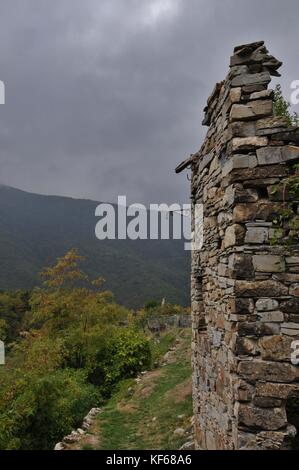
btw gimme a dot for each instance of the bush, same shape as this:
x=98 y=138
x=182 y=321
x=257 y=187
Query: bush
x=282 y=107
x=43 y=409
x=119 y=353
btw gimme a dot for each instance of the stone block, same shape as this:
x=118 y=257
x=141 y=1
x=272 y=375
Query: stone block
x=251 y=79
x=238 y=161
x=286 y=135
x=275 y=348
x=241 y=306
x=264 y=94
x=250 y=212
x=246 y=195
x=244 y=391
x=245 y=347
x=293 y=332
x=258 y=329
x=234 y=235
x=235 y=95
x=286 y=277
x=293 y=317
x=267 y=402
x=245 y=175
x=241 y=266
x=205 y=161
x=256 y=235
x=275 y=122
x=265 y=305
x=257 y=289
x=273 y=155
x=262 y=418
x=248 y=143
x=269 y=155
x=290 y=153
x=238 y=70
x=242 y=129
x=248 y=89
x=251 y=111
x=290 y=325
x=275 y=390
x=290 y=306
x=253 y=370
x=271 y=440
x=271 y=317
x=294 y=290
x=248 y=48
x=268 y=263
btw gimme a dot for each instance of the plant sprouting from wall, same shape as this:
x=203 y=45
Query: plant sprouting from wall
x=286 y=221
x=282 y=108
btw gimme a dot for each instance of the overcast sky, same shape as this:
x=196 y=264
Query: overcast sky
x=105 y=97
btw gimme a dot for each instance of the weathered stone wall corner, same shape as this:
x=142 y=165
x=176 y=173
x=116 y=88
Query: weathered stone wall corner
x=245 y=290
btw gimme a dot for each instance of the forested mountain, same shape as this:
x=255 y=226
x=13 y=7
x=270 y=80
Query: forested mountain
x=36 y=229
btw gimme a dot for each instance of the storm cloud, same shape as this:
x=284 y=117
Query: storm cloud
x=105 y=97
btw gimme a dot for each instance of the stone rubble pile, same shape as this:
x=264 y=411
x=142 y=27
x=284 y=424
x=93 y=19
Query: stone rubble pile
x=76 y=436
x=245 y=289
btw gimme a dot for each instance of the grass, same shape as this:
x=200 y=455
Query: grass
x=87 y=447
x=145 y=415
x=161 y=344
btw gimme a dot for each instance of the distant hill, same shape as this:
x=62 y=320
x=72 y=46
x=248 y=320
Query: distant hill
x=36 y=229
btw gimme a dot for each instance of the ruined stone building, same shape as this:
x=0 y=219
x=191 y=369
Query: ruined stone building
x=245 y=279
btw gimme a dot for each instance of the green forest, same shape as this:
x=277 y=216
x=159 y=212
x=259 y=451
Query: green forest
x=68 y=346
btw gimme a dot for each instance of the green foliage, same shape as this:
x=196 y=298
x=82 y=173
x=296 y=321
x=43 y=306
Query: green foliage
x=120 y=355
x=155 y=312
x=152 y=305
x=286 y=221
x=162 y=344
x=41 y=409
x=282 y=108
x=74 y=344
x=13 y=307
x=3 y=330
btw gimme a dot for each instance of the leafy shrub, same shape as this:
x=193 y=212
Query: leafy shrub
x=119 y=354
x=282 y=107
x=13 y=306
x=38 y=411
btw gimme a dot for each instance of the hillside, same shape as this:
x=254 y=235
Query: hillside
x=153 y=411
x=36 y=229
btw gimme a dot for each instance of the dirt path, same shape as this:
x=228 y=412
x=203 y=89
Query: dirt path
x=152 y=411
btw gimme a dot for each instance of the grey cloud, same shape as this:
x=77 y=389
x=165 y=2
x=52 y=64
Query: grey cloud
x=106 y=97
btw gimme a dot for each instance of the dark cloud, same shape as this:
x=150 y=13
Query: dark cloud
x=106 y=97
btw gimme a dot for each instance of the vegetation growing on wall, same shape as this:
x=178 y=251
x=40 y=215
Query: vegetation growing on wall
x=282 y=107
x=287 y=191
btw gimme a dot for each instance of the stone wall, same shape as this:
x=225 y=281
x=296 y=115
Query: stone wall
x=245 y=289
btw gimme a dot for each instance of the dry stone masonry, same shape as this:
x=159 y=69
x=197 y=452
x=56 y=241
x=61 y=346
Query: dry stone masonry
x=245 y=288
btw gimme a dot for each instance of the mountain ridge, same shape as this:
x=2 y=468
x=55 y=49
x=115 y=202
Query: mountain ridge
x=36 y=229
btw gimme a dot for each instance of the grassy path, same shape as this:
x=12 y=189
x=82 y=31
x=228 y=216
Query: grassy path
x=152 y=412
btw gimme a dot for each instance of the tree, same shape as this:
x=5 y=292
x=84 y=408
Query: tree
x=68 y=297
